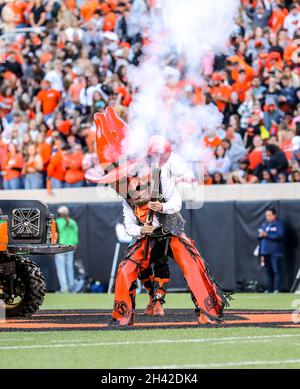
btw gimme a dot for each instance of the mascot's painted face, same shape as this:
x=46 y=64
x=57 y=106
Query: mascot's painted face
x=136 y=186
x=139 y=190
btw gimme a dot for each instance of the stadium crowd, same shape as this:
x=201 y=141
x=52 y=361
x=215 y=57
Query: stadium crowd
x=62 y=61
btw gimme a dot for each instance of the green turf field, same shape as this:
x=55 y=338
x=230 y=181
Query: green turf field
x=191 y=348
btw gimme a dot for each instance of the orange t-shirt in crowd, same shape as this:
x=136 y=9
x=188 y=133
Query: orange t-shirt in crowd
x=248 y=3
x=73 y=164
x=70 y=4
x=49 y=99
x=19 y=8
x=241 y=88
x=208 y=181
x=45 y=57
x=112 y=4
x=45 y=151
x=255 y=158
x=110 y=21
x=277 y=19
x=288 y=53
x=224 y=92
x=64 y=127
x=250 y=72
x=88 y=9
x=3 y=154
x=11 y=77
x=90 y=139
x=126 y=100
x=199 y=97
x=13 y=166
x=29 y=165
x=212 y=142
x=56 y=168
x=287 y=148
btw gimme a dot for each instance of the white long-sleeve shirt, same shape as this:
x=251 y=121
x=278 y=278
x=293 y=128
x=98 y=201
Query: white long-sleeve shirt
x=291 y=23
x=172 y=205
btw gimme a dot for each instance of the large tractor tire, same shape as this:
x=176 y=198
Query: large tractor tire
x=30 y=288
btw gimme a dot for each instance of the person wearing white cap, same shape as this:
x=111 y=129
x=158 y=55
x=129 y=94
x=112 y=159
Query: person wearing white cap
x=67 y=230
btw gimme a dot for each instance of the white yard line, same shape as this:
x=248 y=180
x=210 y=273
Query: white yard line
x=66 y=341
x=221 y=365
x=16 y=340
x=224 y=340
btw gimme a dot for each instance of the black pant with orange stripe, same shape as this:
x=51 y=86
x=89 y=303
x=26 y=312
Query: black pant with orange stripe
x=156 y=277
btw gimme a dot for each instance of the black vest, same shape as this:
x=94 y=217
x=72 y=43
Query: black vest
x=170 y=224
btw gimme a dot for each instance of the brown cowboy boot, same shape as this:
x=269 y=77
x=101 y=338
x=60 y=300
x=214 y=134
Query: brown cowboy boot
x=150 y=307
x=158 y=309
x=160 y=285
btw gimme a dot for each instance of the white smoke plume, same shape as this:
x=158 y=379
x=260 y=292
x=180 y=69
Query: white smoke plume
x=181 y=33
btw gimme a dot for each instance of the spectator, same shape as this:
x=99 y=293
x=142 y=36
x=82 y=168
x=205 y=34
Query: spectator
x=258 y=90
x=47 y=100
x=278 y=16
x=232 y=107
x=90 y=161
x=258 y=44
x=220 y=161
x=87 y=94
x=271 y=239
x=207 y=180
x=282 y=179
x=259 y=15
x=286 y=144
x=67 y=230
x=274 y=46
x=37 y=16
x=99 y=103
x=234 y=152
x=287 y=98
x=72 y=161
x=255 y=155
x=7 y=100
x=32 y=168
x=277 y=162
x=243 y=175
x=3 y=156
x=55 y=76
x=44 y=149
x=295 y=176
x=292 y=21
x=218 y=179
x=267 y=177
x=13 y=65
x=16 y=125
x=220 y=92
x=245 y=111
x=56 y=170
x=13 y=166
x=233 y=130
x=272 y=116
x=254 y=128
x=242 y=85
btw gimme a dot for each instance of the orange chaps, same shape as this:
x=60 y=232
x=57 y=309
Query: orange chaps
x=206 y=295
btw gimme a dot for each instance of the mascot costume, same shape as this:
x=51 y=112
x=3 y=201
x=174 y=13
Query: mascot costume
x=152 y=217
